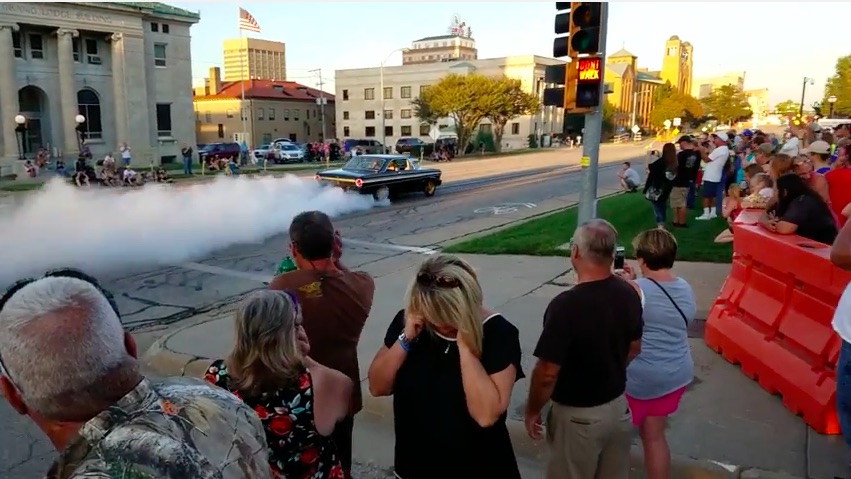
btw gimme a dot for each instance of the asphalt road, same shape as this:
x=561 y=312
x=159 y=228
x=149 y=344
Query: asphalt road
x=477 y=196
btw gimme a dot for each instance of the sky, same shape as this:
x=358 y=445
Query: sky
x=773 y=43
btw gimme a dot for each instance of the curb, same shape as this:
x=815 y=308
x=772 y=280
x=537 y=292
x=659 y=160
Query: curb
x=162 y=361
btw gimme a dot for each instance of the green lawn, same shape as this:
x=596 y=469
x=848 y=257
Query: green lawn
x=629 y=213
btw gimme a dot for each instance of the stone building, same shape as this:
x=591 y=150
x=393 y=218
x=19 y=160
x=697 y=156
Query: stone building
x=106 y=73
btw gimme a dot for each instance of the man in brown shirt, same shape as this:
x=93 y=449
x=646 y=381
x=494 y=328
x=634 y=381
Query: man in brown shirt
x=335 y=303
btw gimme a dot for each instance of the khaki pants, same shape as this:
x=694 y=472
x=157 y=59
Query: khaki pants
x=589 y=443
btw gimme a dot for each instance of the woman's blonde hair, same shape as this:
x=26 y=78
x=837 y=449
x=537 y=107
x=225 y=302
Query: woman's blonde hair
x=734 y=191
x=657 y=248
x=266 y=355
x=446 y=293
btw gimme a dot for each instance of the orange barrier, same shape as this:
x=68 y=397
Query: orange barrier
x=773 y=315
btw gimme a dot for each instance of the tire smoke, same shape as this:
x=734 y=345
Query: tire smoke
x=111 y=231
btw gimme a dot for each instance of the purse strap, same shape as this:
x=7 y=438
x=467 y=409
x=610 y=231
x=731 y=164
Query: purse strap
x=672 y=300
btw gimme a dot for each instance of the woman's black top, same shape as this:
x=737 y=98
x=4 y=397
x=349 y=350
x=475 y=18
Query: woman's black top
x=813 y=218
x=436 y=438
x=656 y=178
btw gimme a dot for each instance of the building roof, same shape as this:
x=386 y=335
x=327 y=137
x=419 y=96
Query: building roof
x=618 y=69
x=647 y=77
x=622 y=53
x=267 y=90
x=158 y=8
x=440 y=37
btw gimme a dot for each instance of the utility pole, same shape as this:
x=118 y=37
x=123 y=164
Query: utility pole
x=321 y=102
x=593 y=131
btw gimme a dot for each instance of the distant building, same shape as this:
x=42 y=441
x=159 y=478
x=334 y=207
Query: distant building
x=253 y=59
x=457 y=45
x=272 y=109
x=360 y=107
x=758 y=100
x=633 y=90
x=703 y=86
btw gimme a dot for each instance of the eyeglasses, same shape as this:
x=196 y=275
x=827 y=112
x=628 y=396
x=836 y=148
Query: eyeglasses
x=56 y=273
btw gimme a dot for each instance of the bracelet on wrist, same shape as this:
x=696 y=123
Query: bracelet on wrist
x=404 y=342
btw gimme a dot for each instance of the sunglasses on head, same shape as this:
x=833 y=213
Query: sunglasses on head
x=56 y=273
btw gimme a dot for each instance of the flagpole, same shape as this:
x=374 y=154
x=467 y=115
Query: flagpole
x=242 y=110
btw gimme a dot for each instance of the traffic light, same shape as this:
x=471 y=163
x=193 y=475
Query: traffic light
x=584 y=31
x=589 y=82
x=562 y=27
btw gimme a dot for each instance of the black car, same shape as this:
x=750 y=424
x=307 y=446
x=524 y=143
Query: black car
x=410 y=145
x=383 y=176
x=225 y=151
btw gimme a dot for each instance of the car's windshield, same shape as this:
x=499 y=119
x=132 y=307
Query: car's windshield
x=265 y=147
x=364 y=163
x=289 y=147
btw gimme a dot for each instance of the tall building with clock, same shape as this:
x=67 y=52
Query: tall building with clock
x=677 y=64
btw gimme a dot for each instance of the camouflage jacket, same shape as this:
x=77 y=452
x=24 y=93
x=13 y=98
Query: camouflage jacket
x=179 y=428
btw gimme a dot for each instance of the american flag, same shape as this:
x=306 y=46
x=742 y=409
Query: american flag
x=247 y=22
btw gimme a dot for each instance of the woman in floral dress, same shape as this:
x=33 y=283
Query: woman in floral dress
x=298 y=400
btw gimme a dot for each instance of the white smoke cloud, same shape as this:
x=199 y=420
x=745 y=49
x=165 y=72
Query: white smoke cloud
x=106 y=231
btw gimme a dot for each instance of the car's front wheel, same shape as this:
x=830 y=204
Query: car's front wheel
x=381 y=193
x=430 y=188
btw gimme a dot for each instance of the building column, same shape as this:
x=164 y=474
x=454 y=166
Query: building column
x=67 y=89
x=8 y=93
x=119 y=87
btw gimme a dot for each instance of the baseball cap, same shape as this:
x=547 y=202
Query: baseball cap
x=687 y=138
x=820 y=147
x=815 y=127
x=723 y=136
x=747 y=133
x=766 y=148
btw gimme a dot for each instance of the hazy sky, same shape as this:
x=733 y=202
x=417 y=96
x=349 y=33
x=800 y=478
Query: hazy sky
x=777 y=44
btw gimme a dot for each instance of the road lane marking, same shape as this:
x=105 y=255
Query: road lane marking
x=206 y=268
x=505 y=208
x=389 y=247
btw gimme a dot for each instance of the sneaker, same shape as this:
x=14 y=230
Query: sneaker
x=702 y=217
x=712 y=216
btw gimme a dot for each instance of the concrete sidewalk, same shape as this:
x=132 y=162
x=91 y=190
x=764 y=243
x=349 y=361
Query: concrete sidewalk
x=727 y=425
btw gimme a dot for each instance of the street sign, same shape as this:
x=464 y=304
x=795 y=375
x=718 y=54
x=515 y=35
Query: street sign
x=635 y=129
x=434 y=132
x=677 y=121
x=667 y=124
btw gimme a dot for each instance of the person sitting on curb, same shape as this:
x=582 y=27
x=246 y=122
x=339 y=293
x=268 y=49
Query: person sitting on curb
x=629 y=178
x=67 y=363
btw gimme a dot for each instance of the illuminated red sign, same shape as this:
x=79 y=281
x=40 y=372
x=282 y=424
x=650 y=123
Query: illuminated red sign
x=589 y=70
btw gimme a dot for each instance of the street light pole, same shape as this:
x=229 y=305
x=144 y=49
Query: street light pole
x=80 y=120
x=831 y=100
x=318 y=71
x=381 y=92
x=20 y=132
x=804 y=94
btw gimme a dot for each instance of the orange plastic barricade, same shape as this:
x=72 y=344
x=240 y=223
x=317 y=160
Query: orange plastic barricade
x=773 y=315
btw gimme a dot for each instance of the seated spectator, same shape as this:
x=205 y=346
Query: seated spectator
x=68 y=364
x=799 y=210
x=30 y=169
x=450 y=365
x=161 y=175
x=730 y=209
x=298 y=400
x=232 y=167
x=131 y=178
x=629 y=178
x=60 y=167
x=81 y=177
x=657 y=378
x=762 y=190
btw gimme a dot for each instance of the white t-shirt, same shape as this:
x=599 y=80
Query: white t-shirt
x=714 y=168
x=842 y=316
x=632 y=175
x=128 y=174
x=125 y=152
x=790 y=147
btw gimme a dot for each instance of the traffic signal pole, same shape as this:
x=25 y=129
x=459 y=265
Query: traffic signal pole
x=592 y=135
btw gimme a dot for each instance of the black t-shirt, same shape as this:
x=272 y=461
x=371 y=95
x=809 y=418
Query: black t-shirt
x=814 y=219
x=587 y=331
x=80 y=165
x=430 y=409
x=688 y=164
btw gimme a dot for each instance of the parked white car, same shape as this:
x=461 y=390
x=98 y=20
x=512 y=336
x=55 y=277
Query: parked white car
x=266 y=152
x=290 y=153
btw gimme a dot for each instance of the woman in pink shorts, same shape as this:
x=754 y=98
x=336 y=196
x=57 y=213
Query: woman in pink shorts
x=659 y=375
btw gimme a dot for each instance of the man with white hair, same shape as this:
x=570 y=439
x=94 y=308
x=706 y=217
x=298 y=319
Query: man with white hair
x=67 y=363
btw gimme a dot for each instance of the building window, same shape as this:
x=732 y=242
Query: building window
x=261 y=114
x=267 y=138
x=166 y=28
x=425 y=130
x=88 y=105
x=369 y=93
x=75 y=48
x=271 y=116
x=296 y=114
x=221 y=130
x=388 y=93
x=388 y=131
x=672 y=51
x=406 y=130
x=405 y=92
x=515 y=128
x=92 y=51
x=163 y=120
x=369 y=131
x=18 y=44
x=486 y=129
x=345 y=95
x=243 y=113
x=208 y=117
x=388 y=114
x=155 y=27
x=345 y=131
x=423 y=89
x=229 y=113
x=36 y=46
x=286 y=115
x=405 y=114
x=345 y=115
x=369 y=115
x=159 y=54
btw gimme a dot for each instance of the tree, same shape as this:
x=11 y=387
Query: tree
x=787 y=107
x=423 y=112
x=676 y=105
x=457 y=97
x=503 y=99
x=727 y=104
x=839 y=85
x=608 y=113
x=663 y=92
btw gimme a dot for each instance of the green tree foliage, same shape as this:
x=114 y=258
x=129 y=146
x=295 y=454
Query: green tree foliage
x=456 y=96
x=727 y=104
x=423 y=112
x=676 y=105
x=663 y=92
x=787 y=107
x=608 y=113
x=839 y=85
x=503 y=99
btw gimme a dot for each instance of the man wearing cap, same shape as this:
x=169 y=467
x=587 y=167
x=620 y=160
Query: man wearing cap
x=819 y=154
x=688 y=164
x=713 y=172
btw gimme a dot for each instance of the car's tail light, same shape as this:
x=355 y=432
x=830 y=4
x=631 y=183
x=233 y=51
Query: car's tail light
x=316 y=178
x=359 y=182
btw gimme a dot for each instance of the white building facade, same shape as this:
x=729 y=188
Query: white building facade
x=361 y=111
x=124 y=69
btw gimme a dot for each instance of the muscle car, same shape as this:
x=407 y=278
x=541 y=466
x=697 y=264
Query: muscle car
x=383 y=176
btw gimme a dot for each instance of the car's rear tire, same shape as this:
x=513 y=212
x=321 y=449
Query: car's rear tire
x=430 y=188
x=381 y=193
